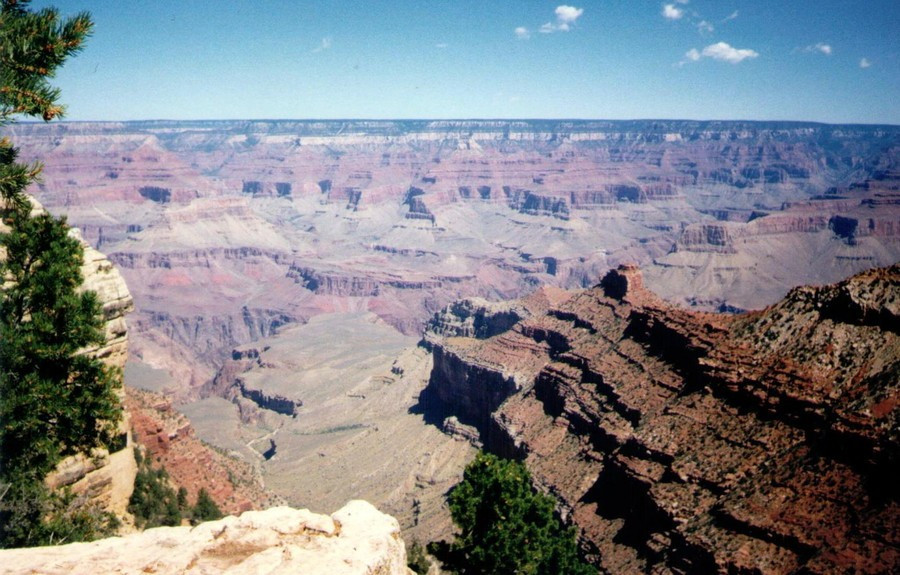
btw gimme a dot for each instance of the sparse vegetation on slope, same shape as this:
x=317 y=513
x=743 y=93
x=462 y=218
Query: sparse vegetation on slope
x=416 y=559
x=205 y=509
x=155 y=502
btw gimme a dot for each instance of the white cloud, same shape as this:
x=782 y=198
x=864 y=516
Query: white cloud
x=720 y=51
x=324 y=45
x=705 y=27
x=731 y=17
x=565 y=17
x=522 y=33
x=441 y=45
x=568 y=14
x=672 y=12
x=819 y=47
x=726 y=53
x=864 y=63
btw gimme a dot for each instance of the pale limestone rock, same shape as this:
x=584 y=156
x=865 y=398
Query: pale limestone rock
x=102 y=277
x=103 y=479
x=357 y=539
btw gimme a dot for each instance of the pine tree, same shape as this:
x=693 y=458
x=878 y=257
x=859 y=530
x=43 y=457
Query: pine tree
x=205 y=509
x=32 y=46
x=54 y=399
x=506 y=527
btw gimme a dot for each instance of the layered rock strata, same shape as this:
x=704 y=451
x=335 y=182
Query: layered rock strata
x=401 y=218
x=357 y=539
x=685 y=442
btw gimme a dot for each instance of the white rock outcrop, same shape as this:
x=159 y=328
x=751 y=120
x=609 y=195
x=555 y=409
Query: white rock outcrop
x=357 y=539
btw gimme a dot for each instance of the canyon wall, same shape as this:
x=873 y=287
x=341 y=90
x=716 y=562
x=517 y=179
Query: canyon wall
x=401 y=218
x=689 y=442
x=355 y=540
x=324 y=411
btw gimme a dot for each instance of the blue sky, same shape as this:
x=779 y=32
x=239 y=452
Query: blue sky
x=822 y=60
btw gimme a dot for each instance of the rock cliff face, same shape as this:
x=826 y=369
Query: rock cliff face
x=108 y=480
x=687 y=442
x=357 y=539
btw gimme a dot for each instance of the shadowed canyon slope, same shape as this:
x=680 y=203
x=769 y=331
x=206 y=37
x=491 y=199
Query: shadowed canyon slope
x=226 y=231
x=693 y=442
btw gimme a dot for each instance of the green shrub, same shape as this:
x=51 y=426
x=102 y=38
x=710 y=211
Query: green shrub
x=506 y=527
x=34 y=515
x=416 y=559
x=205 y=509
x=153 y=502
x=182 y=498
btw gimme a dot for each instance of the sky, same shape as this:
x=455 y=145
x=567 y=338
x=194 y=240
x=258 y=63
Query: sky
x=834 y=61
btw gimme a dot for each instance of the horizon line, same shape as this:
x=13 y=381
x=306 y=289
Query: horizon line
x=31 y=121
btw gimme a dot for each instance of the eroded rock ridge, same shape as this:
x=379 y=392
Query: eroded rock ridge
x=691 y=442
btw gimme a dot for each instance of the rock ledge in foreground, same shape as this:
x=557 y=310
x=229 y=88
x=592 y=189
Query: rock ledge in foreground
x=356 y=539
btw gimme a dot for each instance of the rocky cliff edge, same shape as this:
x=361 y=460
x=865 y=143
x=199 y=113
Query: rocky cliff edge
x=357 y=539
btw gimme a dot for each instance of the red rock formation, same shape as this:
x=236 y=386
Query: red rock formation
x=170 y=442
x=683 y=442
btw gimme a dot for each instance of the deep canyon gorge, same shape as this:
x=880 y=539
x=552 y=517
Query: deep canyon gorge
x=348 y=309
